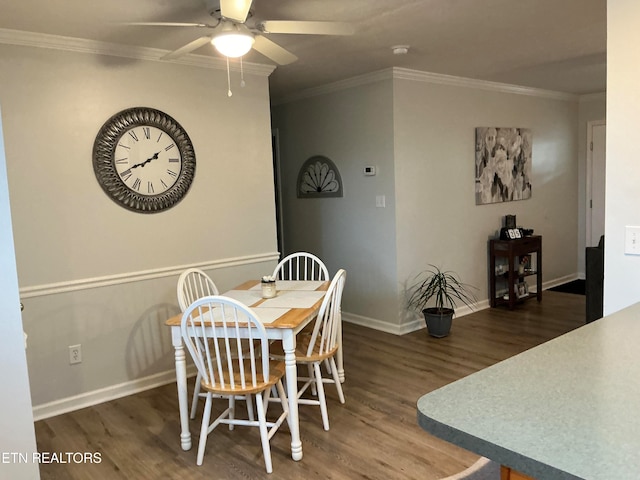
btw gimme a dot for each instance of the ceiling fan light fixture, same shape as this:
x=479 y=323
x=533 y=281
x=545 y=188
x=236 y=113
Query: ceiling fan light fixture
x=233 y=42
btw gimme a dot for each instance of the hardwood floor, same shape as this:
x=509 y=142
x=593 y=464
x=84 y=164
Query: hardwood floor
x=373 y=436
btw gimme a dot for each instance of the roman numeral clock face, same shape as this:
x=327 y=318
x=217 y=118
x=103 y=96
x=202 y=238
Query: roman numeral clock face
x=144 y=160
x=148 y=160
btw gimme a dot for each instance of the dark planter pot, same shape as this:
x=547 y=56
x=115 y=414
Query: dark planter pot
x=438 y=321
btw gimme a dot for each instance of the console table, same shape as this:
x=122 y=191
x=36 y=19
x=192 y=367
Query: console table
x=507 y=251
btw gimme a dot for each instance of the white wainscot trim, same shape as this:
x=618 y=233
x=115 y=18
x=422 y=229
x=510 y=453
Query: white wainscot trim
x=113 y=392
x=87 y=283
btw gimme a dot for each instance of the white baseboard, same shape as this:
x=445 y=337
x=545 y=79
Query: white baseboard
x=373 y=323
x=407 y=327
x=559 y=281
x=113 y=392
x=418 y=323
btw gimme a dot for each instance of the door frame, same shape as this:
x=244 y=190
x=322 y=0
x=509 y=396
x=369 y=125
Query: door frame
x=277 y=185
x=589 y=177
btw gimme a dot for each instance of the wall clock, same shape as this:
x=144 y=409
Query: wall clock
x=144 y=160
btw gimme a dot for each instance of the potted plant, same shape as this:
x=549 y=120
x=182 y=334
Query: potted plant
x=446 y=290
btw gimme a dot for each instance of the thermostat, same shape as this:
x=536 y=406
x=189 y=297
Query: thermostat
x=369 y=170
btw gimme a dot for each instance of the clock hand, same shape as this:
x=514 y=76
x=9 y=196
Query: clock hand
x=142 y=164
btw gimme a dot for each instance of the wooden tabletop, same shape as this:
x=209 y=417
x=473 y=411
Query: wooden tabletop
x=291 y=319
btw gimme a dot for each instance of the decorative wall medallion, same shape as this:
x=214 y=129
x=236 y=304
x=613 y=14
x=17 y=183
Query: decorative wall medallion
x=319 y=177
x=144 y=160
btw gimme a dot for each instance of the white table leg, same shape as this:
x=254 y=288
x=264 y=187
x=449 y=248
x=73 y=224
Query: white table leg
x=181 y=380
x=339 y=356
x=289 y=346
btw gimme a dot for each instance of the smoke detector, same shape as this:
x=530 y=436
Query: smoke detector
x=400 y=49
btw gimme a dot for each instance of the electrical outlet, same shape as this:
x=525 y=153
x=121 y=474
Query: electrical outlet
x=75 y=354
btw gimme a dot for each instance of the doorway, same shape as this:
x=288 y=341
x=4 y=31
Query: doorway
x=275 y=148
x=596 y=174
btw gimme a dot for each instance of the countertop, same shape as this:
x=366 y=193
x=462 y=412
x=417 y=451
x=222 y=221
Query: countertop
x=567 y=409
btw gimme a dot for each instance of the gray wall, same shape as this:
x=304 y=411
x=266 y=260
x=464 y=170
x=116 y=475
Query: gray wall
x=354 y=128
x=424 y=137
x=438 y=220
x=93 y=273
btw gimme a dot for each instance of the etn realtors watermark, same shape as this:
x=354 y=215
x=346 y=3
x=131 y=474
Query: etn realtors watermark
x=50 y=457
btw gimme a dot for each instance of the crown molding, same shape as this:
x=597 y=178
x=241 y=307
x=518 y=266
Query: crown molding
x=338 y=86
x=593 y=97
x=439 y=78
x=427 y=77
x=94 y=47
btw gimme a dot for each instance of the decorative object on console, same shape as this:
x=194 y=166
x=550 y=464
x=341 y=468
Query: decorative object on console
x=144 y=160
x=503 y=164
x=319 y=177
x=446 y=290
x=510 y=221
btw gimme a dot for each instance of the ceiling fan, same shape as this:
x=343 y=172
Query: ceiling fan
x=235 y=31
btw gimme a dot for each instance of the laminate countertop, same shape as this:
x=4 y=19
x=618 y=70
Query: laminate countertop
x=566 y=409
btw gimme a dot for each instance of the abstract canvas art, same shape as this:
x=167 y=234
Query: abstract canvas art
x=503 y=164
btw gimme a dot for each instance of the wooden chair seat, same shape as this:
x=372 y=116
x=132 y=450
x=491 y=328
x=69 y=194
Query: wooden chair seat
x=303 y=355
x=227 y=387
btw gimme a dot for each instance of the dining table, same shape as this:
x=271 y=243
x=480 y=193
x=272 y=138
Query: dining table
x=294 y=306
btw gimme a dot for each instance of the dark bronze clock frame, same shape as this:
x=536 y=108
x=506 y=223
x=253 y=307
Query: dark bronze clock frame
x=116 y=171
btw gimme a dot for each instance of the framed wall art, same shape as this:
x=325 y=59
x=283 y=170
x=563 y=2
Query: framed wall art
x=503 y=164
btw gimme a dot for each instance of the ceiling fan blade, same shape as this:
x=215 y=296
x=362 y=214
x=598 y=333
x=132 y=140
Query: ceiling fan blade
x=302 y=27
x=170 y=24
x=273 y=51
x=189 y=47
x=237 y=10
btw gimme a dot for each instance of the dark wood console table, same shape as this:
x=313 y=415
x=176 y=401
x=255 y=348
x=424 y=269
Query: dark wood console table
x=505 y=257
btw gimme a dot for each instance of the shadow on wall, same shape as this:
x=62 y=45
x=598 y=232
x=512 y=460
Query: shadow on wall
x=149 y=350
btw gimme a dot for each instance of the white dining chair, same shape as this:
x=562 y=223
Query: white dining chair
x=194 y=284
x=482 y=469
x=320 y=346
x=229 y=367
x=301 y=266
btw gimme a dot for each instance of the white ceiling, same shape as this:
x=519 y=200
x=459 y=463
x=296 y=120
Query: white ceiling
x=556 y=45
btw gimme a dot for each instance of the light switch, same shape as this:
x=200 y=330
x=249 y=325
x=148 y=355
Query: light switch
x=632 y=240
x=380 y=201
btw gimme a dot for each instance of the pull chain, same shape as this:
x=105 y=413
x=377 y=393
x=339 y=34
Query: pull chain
x=228 y=80
x=241 y=74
